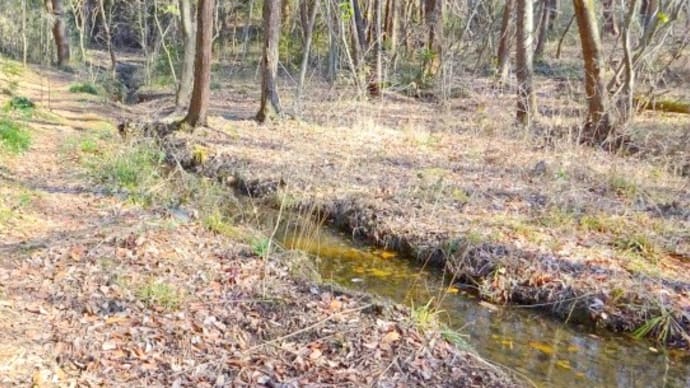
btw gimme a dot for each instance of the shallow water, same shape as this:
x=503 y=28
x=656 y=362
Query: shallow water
x=547 y=352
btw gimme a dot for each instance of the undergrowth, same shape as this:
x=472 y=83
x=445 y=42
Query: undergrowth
x=13 y=136
x=85 y=87
x=135 y=170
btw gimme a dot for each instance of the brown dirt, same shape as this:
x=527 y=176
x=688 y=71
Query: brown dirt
x=531 y=220
x=79 y=266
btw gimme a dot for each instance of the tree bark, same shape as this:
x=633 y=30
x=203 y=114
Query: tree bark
x=184 y=90
x=60 y=33
x=308 y=34
x=610 y=24
x=434 y=20
x=108 y=36
x=201 y=92
x=270 y=101
x=505 y=40
x=554 y=9
x=524 y=62
x=598 y=126
x=543 y=29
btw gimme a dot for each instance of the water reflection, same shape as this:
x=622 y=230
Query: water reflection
x=547 y=352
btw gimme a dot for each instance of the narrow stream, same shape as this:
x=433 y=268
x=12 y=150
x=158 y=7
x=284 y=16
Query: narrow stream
x=547 y=352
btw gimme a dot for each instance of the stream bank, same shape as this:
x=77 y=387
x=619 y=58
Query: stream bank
x=388 y=204
x=98 y=290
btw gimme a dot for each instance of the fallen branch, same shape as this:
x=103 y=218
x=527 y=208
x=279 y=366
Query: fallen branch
x=669 y=106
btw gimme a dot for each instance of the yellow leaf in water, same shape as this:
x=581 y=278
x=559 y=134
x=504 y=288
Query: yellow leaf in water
x=572 y=348
x=565 y=364
x=387 y=255
x=452 y=290
x=379 y=273
x=542 y=347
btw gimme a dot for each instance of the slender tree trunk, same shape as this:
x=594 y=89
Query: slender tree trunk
x=375 y=87
x=526 y=101
x=598 y=126
x=25 y=39
x=333 y=46
x=434 y=20
x=609 y=13
x=625 y=101
x=270 y=101
x=162 y=33
x=554 y=9
x=60 y=33
x=648 y=12
x=543 y=29
x=184 y=90
x=108 y=36
x=201 y=92
x=308 y=33
x=565 y=32
x=504 y=43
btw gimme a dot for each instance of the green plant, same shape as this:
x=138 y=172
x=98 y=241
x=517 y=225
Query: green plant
x=13 y=137
x=636 y=244
x=425 y=317
x=556 y=217
x=84 y=87
x=158 y=293
x=22 y=105
x=622 y=186
x=261 y=246
x=88 y=146
x=663 y=327
x=135 y=169
x=456 y=338
x=217 y=223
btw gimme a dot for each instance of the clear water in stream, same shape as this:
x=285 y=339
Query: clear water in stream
x=547 y=352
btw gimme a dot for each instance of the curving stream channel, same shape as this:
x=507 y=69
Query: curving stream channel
x=547 y=352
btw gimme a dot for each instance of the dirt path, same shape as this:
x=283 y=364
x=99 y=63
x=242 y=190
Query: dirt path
x=95 y=290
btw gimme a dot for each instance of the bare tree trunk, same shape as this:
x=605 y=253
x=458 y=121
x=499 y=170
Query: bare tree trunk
x=333 y=46
x=554 y=9
x=507 y=28
x=184 y=90
x=526 y=101
x=25 y=39
x=434 y=20
x=648 y=12
x=609 y=13
x=625 y=101
x=201 y=92
x=308 y=34
x=270 y=101
x=565 y=32
x=598 y=125
x=60 y=33
x=543 y=29
x=108 y=36
x=162 y=33
x=375 y=87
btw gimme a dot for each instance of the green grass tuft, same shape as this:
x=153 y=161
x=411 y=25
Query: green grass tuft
x=157 y=293
x=21 y=105
x=134 y=169
x=84 y=87
x=13 y=136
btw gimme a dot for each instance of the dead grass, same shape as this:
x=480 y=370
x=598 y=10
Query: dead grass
x=100 y=290
x=403 y=173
